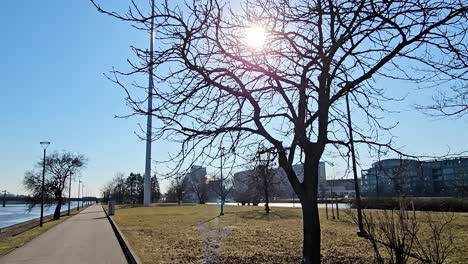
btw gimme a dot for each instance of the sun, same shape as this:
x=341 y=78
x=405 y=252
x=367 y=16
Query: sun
x=255 y=36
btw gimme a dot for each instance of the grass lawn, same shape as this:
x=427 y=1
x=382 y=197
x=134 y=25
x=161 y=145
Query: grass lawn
x=167 y=233
x=10 y=243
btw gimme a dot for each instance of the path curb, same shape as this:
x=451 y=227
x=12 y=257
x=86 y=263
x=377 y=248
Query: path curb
x=126 y=248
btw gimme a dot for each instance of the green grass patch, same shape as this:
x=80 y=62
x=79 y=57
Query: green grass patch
x=10 y=243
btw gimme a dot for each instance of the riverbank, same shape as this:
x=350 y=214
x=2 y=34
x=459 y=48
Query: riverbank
x=14 y=236
x=14 y=214
x=167 y=233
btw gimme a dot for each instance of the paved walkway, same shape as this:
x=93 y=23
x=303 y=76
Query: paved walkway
x=85 y=238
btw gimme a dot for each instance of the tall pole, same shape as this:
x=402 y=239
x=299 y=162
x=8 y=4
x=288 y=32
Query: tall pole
x=149 y=125
x=79 y=182
x=361 y=231
x=82 y=195
x=221 y=182
x=4 y=198
x=69 y=194
x=42 y=189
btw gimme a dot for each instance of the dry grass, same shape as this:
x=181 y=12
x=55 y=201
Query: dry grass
x=10 y=243
x=194 y=234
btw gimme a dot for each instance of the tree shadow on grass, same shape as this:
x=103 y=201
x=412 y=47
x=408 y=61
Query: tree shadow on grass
x=174 y=205
x=261 y=215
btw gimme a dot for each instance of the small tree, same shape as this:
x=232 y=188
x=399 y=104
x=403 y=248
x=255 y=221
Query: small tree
x=402 y=235
x=178 y=189
x=439 y=244
x=59 y=167
x=131 y=184
x=199 y=187
x=264 y=177
x=395 y=230
x=155 y=189
x=222 y=186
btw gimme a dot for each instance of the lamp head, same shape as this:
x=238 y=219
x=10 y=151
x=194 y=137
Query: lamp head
x=45 y=144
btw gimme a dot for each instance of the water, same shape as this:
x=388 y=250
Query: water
x=294 y=205
x=18 y=213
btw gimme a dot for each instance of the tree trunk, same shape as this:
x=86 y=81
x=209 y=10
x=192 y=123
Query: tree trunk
x=265 y=186
x=222 y=206
x=58 y=209
x=267 y=201
x=310 y=214
x=311 y=225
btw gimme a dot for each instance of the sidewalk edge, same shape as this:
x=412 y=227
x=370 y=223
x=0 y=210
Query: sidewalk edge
x=126 y=248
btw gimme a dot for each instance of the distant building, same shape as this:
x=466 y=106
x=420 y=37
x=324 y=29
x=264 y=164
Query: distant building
x=299 y=170
x=196 y=172
x=283 y=189
x=340 y=188
x=395 y=177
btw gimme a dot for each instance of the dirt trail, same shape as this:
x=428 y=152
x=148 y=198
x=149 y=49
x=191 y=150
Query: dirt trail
x=212 y=234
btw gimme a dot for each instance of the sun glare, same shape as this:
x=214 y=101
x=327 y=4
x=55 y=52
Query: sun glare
x=255 y=36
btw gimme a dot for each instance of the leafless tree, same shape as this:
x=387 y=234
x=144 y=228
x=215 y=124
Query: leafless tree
x=289 y=92
x=452 y=102
x=440 y=243
x=177 y=189
x=266 y=179
x=245 y=188
x=403 y=235
x=59 y=166
x=395 y=230
x=222 y=187
x=199 y=187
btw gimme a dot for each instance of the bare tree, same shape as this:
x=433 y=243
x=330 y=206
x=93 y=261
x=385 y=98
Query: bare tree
x=177 y=189
x=245 y=187
x=288 y=92
x=266 y=179
x=452 y=102
x=396 y=231
x=403 y=235
x=440 y=243
x=199 y=187
x=155 y=189
x=222 y=187
x=59 y=167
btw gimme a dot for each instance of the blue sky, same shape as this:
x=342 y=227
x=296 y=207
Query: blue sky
x=53 y=57
x=52 y=88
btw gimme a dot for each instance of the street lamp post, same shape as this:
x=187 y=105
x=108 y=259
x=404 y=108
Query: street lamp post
x=79 y=182
x=44 y=145
x=221 y=182
x=361 y=232
x=69 y=193
x=82 y=194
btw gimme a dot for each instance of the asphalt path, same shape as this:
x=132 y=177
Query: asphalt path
x=85 y=238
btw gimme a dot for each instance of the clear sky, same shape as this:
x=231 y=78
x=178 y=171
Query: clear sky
x=53 y=55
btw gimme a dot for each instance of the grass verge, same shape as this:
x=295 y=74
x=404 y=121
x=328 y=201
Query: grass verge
x=10 y=243
x=195 y=234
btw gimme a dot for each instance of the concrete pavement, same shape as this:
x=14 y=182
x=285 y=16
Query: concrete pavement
x=85 y=238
